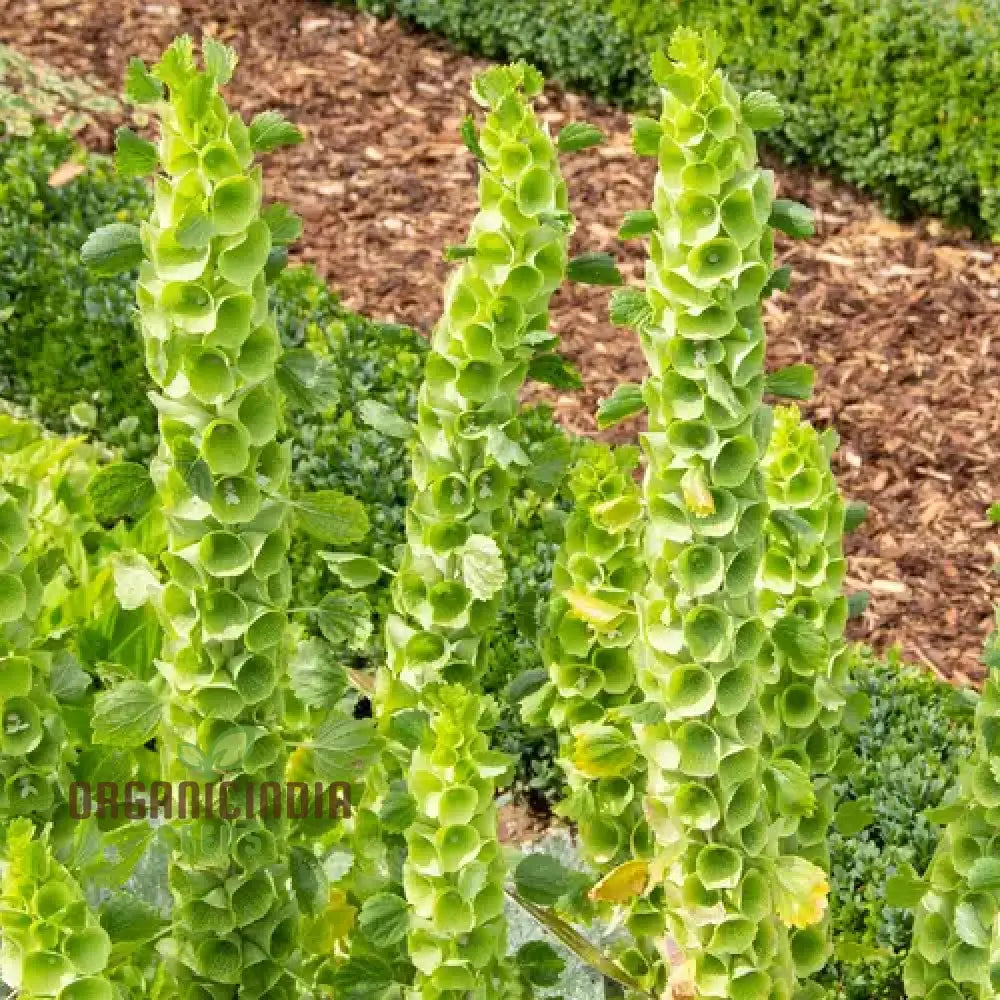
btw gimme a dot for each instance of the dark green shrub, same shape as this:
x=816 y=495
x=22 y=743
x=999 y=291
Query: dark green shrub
x=896 y=96
x=908 y=753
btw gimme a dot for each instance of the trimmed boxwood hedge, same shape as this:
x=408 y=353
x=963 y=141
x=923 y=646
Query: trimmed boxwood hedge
x=899 y=97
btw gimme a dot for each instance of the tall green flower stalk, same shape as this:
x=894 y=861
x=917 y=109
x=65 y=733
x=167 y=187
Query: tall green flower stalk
x=704 y=654
x=221 y=473
x=592 y=692
x=466 y=457
x=955 y=951
x=801 y=602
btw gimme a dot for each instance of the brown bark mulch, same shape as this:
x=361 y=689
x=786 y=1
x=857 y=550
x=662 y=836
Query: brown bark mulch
x=901 y=322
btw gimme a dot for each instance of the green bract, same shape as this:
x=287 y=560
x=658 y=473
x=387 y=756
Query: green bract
x=703 y=654
x=52 y=944
x=955 y=942
x=222 y=478
x=466 y=456
x=801 y=603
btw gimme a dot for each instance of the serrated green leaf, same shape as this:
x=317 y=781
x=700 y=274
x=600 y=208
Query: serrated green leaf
x=483 y=569
x=779 y=281
x=113 y=249
x=309 y=881
x=626 y=401
x=470 y=136
x=127 y=715
x=852 y=817
x=540 y=963
x=353 y=570
x=544 y=880
x=646 y=134
x=384 y=919
x=270 y=130
x=762 y=110
x=284 y=224
x=141 y=87
x=594 y=269
x=854 y=515
x=134 y=156
x=904 y=890
x=791 y=382
x=220 y=60
x=555 y=370
x=799 y=640
x=384 y=419
x=577 y=136
x=343 y=748
x=127 y=918
x=637 y=223
x=121 y=490
x=984 y=875
x=317 y=676
x=308 y=382
x=792 y=218
x=331 y=517
x=345 y=619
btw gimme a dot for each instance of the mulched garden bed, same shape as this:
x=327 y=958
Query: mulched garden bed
x=901 y=322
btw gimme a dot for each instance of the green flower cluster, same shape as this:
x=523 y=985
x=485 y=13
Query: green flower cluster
x=704 y=654
x=51 y=944
x=35 y=751
x=447 y=592
x=222 y=478
x=591 y=627
x=801 y=602
x=955 y=940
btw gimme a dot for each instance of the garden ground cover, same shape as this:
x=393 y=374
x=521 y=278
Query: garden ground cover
x=901 y=322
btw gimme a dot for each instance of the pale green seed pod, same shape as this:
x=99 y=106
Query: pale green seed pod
x=51 y=943
x=222 y=477
x=703 y=654
x=466 y=458
x=955 y=950
x=801 y=602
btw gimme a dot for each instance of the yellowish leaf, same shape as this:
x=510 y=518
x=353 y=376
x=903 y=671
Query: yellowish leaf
x=624 y=883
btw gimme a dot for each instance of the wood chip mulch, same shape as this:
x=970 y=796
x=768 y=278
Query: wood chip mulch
x=901 y=322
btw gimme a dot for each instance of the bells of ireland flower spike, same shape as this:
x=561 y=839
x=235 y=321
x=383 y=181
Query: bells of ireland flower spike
x=466 y=456
x=587 y=648
x=955 y=950
x=703 y=653
x=801 y=602
x=222 y=476
x=51 y=943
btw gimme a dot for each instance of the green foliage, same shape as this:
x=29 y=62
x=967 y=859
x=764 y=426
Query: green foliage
x=898 y=97
x=906 y=758
x=588 y=53
x=954 y=920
